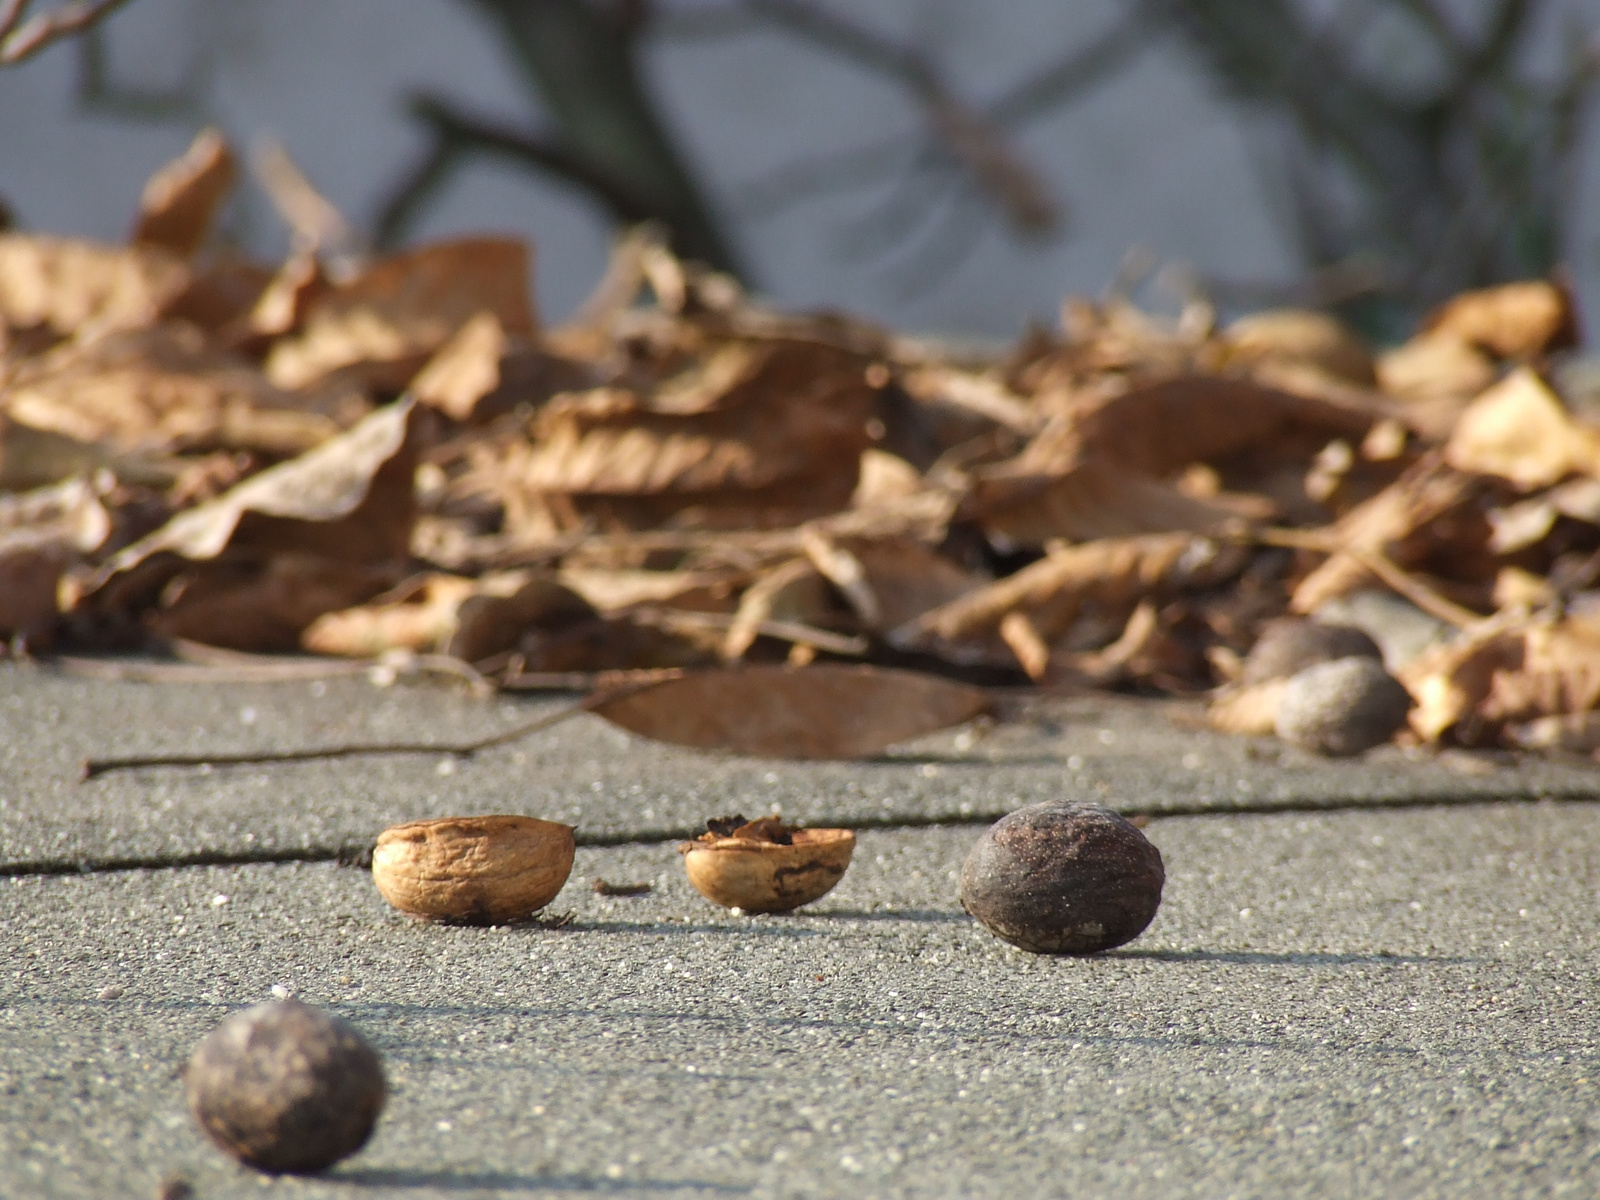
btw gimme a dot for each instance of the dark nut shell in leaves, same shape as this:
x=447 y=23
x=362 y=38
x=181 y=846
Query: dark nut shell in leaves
x=764 y=866
x=1342 y=707
x=473 y=870
x=1289 y=645
x=285 y=1087
x=1063 y=878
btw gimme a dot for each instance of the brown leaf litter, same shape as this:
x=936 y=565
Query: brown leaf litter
x=775 y=534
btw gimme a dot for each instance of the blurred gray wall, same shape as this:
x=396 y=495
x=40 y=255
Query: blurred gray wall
x=1150 y=159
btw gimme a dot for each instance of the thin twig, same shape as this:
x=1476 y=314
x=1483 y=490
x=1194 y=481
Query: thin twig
x=1385 y=568
x=101 y=766
x=95 y=767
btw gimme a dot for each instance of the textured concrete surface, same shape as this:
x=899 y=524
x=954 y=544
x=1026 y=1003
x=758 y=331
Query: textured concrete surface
x=1339 y=1004
x=612 y=785
x=1355 y=1002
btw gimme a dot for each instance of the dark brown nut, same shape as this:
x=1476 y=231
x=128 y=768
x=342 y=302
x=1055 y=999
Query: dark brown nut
x=765 y=866
x=285 y=1087
x=473 y=870
x=1342 y=707
x=1288 y=645
x=1063 y=878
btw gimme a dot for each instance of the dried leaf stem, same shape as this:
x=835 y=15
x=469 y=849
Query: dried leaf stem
x=1396 y=577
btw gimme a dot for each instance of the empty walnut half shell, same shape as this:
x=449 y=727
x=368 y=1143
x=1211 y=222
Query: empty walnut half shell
x=473 y=870
x=764 y=866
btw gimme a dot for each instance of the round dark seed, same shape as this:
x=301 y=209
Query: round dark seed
x=1063 y=878
x=1288 y=645
x=1343 y=707
x=285 y=1087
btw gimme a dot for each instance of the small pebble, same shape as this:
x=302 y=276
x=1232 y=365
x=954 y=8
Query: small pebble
x=1342 y=707
x=112 y=991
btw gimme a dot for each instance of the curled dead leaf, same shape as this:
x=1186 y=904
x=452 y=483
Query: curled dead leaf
x=181 y=199
x=73 y=287
x=1112 y=576
x=1520 y=431
x=350 y=498
x=382 y=326
x=1300 y=336
x=1514 y=320
x=763 y=426
x=163 y=388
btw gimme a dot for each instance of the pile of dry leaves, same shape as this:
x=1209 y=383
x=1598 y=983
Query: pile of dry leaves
x=351 y=457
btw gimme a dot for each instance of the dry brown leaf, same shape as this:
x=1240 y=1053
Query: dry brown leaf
x=1099 y=470
x=263 y=605
x=1514 y=320
x=757 y=429
x=1248 y=710
x=1573 y=733
x=1507 y=671
x=180 y=200
x=465 y=370
x=525 y=616
x=383 y=326
x=351 y=499
x=793 y=591
x=73 y=287
x=981 y=394
x=419 y=615
x=289 y=295
x=1300 y=336
x=1024 y=640
x=843 y=569
x=41 y=533
x=163 y=388
x=1091 y=500
x=884 y=478
x=35 y=458
x=1111 y=576
x=1520 y=431
x=1559 y=673
x=611 y=590
x=1416 y=504
x=907 y=577
x=818 y=712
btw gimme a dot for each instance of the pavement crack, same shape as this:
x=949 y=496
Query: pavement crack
x=359 y=854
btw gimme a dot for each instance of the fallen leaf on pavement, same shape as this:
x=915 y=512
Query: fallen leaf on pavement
x=818 y=712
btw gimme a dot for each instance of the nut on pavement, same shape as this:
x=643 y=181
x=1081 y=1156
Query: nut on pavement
x=1063 y=878
x=764 y=866
x=1342 y=707
x=1288 y=645
x=473 y=870
x=285 y=1087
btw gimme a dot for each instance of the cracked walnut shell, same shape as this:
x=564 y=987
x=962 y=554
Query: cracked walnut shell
x=473 y=870
x=765 y=867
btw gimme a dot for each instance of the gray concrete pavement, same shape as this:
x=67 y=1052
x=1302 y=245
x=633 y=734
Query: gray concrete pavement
x=1330 y=1003
x=612 y=785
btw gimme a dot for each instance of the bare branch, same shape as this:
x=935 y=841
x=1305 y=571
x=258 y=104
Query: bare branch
x=968 y=135
x=1076 y=72
x=21 y=39
x=457 y=136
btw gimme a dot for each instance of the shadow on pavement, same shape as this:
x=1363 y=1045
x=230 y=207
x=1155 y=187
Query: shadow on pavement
x=927 y=916
x=1261 y=958
x=508 y=1181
